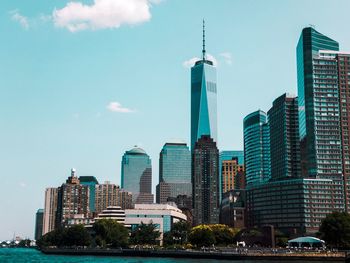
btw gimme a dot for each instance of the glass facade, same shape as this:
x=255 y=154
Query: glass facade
x=284 y=138
x=91 y=182
x=256 y=148
x=136 y=175
x=203 y=101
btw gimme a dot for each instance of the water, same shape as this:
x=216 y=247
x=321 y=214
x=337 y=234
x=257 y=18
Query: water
x=21 y=255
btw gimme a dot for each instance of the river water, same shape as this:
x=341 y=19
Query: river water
x=24 y=255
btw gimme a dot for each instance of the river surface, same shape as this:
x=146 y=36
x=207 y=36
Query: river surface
x=21 y=255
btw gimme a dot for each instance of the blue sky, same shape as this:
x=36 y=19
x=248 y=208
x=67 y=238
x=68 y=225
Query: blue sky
x=83 y=82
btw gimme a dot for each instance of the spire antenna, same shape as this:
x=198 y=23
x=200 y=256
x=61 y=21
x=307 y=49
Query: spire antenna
x=203 y=50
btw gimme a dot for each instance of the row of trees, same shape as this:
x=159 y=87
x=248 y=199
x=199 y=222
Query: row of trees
x=107 y=233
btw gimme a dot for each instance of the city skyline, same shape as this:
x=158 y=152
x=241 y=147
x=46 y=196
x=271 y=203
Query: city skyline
x=34 y=117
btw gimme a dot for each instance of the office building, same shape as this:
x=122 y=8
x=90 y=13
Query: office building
x=39 y=218
x=50 y=209
x=174 y=171
x=229 y=171
x=205 y=181
x=256 y=148
x=90 y=181
x=284 y=138
x=136 y=175
x=72 y=199
x=233 y=209
x=203 y=98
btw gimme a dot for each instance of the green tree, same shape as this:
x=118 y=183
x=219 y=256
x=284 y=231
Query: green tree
x=76 y=235
x=110 y=233
x=201 y=235
x=223 y=234
x=53 y=238
x=335 y=230
x=145 y=234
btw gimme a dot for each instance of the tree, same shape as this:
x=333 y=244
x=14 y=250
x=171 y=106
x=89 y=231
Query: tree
x=110 y=233
x=145 y=234
x=76 y=235
x=223 y=234
x=201 y=235
x=335 y=230
x=53 y=238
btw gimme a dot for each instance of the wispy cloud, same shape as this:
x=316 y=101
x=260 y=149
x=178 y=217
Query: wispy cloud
x=227 y=57
x=22 y=20
x=117 y=107
x=102 y=14
x=189 y=63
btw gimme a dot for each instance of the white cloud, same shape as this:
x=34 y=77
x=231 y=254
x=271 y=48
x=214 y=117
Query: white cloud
x=22 y=20
x=227 y=57
x=189 y=63
x=102 y=14
x=117 y=107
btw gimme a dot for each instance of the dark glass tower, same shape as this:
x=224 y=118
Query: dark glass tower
x=203 y=99
x=256 y=148
x=284 y=138
x=205 y=181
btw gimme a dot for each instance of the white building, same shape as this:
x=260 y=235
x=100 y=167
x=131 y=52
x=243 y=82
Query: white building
x=162 y=215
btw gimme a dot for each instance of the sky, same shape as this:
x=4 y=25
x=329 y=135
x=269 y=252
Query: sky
x=81 y=82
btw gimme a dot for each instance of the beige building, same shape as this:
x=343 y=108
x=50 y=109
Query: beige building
x=108 y=194
x=50 y=209
x=230 y=168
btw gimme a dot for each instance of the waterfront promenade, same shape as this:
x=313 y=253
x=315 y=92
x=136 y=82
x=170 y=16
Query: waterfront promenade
x=233 y=254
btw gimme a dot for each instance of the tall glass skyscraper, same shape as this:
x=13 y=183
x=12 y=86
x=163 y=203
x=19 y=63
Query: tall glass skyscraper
x=257 y=148
x=136 y=175
x=203 y=99
x=284 y=138
x=174 y=171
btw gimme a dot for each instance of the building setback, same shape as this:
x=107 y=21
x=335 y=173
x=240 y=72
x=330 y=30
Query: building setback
x=256 y=148
x=136 y=175
x=174 y=172
x=205 y=181
x=284 y=138
x=50 y=210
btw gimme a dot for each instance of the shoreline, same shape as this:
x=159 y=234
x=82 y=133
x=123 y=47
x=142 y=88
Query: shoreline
x=333 y=257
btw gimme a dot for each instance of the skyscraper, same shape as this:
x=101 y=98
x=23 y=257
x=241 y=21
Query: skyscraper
x=284 y=138
x=72 y=199
x=50 y=209
x=256 y=148
x=174 y=171
x=229 y=171
x=203 y=98
x=39 y=224
x=205 y=181
x=318 y=106
x=136 y=175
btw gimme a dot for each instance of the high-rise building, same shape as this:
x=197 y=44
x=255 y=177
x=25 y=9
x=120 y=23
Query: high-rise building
x=174 y=171
x=50 y=209
x=284 y=138
x=321 y=82
x=72 y=199
x=136 y=175
x=256 y=148
x=108 y=194
x=229 y=155
x=205 y=181
x=39 y=218
x=203 y=98
x=229 y=171
x=90 y=181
